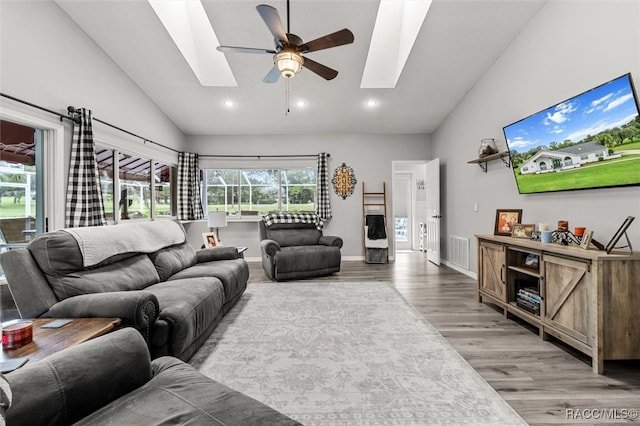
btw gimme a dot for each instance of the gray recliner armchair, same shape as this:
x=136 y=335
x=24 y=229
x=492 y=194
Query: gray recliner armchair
x=298 y=250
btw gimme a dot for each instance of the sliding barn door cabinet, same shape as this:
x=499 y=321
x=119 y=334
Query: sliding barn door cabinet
x=588 y=299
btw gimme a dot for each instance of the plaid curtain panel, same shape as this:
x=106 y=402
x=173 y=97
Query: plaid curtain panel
x=271 y=218
x=323 y=191
x=189 y=204
x=84 y=198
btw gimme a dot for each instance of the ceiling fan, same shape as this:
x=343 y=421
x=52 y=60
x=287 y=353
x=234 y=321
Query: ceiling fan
x=287 y=56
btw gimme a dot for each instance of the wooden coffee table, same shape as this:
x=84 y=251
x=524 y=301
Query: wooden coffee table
x=47 y=341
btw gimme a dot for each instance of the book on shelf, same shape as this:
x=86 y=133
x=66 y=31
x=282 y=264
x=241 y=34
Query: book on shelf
x=528 y=306
x=531 y=295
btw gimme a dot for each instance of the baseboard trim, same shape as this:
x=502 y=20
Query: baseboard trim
x=459 y=269
x=344 y=258
x=353 y=258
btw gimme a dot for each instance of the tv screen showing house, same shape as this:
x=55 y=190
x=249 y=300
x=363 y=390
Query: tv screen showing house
x=589 y=141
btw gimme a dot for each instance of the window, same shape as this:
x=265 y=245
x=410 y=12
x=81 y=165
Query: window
x=250 y=192
x=164 y=198
x=136 y=196
x=21 y=202
x=104 y=158
x=135 y=187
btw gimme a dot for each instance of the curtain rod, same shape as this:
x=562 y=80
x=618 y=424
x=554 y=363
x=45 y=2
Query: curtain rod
x=259 y=156
x=71 y=110
x=4 y=95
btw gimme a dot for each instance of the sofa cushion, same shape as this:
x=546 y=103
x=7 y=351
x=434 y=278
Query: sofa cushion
x=134 y=273
x=307 y=258
x=30 y=290
x=61 y=262
x=178 y=394
x=189 y=306
x=170 y=260
x=298 y=237
x=233 y=274
x=65 y=387
x=58 y=253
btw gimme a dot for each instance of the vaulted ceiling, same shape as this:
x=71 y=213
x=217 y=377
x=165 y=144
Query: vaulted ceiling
x=458 y=42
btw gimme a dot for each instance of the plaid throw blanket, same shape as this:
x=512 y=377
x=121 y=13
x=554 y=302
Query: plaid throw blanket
x=271 y=218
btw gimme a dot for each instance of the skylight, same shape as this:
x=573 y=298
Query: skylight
x=397 y=26
x=189 y=27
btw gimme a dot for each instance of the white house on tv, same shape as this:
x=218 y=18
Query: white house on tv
x=566 y=158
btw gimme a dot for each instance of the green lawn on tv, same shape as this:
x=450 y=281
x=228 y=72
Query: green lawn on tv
x=619 y=171
x=626 y=146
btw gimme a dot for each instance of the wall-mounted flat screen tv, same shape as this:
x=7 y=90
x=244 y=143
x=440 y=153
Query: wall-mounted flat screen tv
x=589 y=141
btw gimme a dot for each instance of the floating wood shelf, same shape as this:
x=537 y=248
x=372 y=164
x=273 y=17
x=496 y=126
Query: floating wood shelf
x=482 y=162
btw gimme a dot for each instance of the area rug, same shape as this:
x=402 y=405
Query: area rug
x=328 y=353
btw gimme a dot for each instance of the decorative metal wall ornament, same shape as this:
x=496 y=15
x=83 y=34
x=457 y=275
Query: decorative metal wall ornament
x=344 y=181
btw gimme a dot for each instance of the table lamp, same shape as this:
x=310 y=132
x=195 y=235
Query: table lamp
x=217 y=220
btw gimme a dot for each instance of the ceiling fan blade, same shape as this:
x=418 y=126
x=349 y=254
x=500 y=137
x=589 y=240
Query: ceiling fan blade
x=322 y=70
x=338 y=38
x=273 y=76
x=271 y=17
x=235 y=49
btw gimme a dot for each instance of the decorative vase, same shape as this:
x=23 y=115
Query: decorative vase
x=487 y=147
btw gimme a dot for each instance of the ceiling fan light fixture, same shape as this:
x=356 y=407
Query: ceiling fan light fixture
x=289 y=63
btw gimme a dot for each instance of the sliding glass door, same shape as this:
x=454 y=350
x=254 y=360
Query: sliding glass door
x=21 y=184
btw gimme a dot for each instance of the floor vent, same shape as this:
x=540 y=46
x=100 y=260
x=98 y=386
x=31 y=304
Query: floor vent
x=459 y=251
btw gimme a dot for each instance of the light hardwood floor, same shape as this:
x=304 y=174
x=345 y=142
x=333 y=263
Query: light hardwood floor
x=545 y=382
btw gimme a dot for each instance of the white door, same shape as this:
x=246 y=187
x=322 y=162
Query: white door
x=402 y=208
x=433 y=211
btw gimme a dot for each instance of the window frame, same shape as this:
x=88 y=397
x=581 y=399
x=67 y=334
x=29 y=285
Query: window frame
x=241 y=178
x=52 y=161
x=109 y=138
x=116 y=186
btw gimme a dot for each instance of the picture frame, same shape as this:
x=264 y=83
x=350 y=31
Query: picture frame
x=210 y=240
x=521 y=230
x=619 y=233
x=505 y=219
x=586 y=239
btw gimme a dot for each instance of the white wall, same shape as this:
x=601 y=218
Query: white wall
x=370 y=156
x=569 y=47
x=49 y=61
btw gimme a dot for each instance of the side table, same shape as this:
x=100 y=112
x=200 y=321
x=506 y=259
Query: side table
x=47 y=341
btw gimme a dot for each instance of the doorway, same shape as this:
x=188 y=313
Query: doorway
x=402 y=211
x=21 y=183
x=408 y=203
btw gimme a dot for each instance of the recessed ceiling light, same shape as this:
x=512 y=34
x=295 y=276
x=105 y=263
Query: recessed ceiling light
x=301 y=104
x=229 y=104
x=372 y=103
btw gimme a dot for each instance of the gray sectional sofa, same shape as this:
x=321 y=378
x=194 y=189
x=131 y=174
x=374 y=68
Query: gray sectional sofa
x=112 y=381
x=145 y=273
